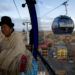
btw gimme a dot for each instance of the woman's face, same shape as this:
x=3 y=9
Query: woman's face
x=6 y=30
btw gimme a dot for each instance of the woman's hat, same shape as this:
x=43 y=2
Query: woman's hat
x=6 y=20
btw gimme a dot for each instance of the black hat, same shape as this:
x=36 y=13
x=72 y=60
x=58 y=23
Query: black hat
x=6 y=20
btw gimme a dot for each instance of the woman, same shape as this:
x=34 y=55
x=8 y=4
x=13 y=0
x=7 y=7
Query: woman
x=12 y=50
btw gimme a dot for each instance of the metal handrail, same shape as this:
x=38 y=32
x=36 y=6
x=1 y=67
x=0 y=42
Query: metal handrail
x=34 y=23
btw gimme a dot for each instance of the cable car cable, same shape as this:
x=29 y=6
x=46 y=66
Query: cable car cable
x=17 y=8
x=54 y=9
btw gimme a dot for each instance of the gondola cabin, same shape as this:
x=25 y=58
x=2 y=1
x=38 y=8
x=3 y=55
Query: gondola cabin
x=62 y=25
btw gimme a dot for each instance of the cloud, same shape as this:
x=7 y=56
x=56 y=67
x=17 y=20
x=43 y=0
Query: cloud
x=5 y=5
x=4 y=9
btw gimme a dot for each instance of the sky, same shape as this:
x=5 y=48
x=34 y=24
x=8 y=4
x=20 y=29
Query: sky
x=43 y=8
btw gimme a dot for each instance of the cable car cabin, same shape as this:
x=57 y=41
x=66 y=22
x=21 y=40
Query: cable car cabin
x=62 y=25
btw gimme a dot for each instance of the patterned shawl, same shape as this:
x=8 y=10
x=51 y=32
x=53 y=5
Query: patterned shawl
x=11 y=50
